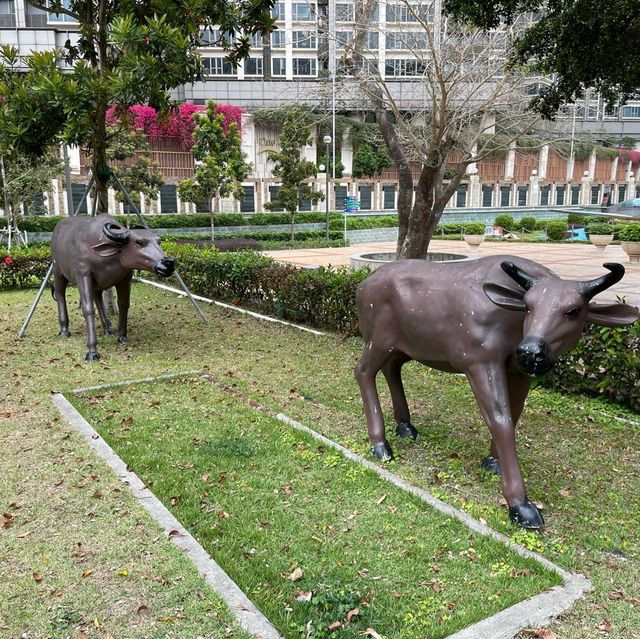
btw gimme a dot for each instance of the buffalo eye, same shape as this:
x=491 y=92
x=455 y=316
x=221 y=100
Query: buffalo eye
x=573 y=312
x=139 y=242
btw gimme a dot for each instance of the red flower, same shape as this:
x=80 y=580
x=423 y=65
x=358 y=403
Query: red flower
x=8 y=260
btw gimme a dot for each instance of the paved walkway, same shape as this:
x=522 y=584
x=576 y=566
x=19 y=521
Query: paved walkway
x=571 y=261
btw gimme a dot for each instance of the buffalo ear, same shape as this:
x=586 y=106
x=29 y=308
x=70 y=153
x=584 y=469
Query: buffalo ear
x=505 y=297
x=612 y=314
x=106 y=249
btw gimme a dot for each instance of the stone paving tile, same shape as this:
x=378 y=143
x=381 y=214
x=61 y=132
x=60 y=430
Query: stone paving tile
x=571 y=261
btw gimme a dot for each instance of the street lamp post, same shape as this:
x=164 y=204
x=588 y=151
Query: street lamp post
x=327 y=141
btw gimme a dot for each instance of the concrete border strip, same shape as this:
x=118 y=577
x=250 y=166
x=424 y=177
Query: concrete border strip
x=130 y=382
x=538 y=610
x=267 y=318
x=247 y=614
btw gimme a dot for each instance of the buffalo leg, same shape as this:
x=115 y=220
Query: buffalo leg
x=102 y=313
x=371 y=361
x=490 y=388
x=86 y=303
x=123 y=288
x=60 y=288
x=519 y=385
x=392 y=372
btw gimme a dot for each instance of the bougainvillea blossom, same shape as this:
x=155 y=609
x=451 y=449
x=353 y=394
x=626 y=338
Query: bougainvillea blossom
x=178 y=125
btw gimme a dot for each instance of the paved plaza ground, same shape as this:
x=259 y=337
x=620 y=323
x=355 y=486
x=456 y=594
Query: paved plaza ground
x=571 y=261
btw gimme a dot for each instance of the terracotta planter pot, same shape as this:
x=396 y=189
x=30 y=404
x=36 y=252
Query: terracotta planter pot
x=601 y=241
x=632 y=249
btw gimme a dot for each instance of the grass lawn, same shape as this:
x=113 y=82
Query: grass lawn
x=264 y=500
x=68 y=517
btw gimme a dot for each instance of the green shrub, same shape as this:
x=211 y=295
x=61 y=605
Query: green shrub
x=606 y=362
x=506 y=221
x=630 y=233
x=474 y=228
x=528 y=223
x=577 y=219
x=24 y=268
x=556 y=230
x=600 y=228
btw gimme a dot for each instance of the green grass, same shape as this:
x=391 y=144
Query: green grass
x=578 y=459
x=265 y=499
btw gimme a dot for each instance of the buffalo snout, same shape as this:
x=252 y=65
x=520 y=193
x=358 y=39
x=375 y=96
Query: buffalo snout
x=534 y=356
x=164 y=267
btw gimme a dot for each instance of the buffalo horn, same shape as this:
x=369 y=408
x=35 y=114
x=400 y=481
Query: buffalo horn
x=110 y=231
x=591 y=288
x=518 y=275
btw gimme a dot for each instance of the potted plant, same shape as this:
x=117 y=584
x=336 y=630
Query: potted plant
x=473 y=234
x=600 y=235
x=630 y=236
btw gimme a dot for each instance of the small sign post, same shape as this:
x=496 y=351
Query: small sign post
x=351 y=204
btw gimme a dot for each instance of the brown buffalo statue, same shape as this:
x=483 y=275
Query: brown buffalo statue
x=499 y=320
x=96 y=253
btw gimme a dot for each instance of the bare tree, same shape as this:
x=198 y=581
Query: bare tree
x=455 y=104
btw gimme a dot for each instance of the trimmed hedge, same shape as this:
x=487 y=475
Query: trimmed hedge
x=557 y=230
x=606 y=362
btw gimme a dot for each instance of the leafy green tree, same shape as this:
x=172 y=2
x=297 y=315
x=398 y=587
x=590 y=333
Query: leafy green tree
x=127 y=53
x=138 y=175
x=583 y=43
x=369 y=161
x=221 y=164
x=22 y=180
x=292 y=169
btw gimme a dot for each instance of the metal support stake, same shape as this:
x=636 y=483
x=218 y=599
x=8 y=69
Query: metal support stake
x=32 y=310
x=142 y=221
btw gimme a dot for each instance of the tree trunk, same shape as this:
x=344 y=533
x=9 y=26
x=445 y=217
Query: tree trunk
x=99 y=164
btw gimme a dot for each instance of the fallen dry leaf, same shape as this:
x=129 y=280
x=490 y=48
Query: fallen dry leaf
x=334 y=626
x=301 y=595
x=296 y=575
x=175 y=533
x=379 y=501
x=370 y=632
x=352 y=613
x=7 y=520
x=37 y=577
x=543 y=633
x=86 y=573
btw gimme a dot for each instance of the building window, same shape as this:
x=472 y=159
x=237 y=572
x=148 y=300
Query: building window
x=277 y=13
x=278 y=39
x=402 y=13
x=344 y=12
x=303 y=40
x=631 y=112
x=211 y=37
x=397 y=40
x=343 y=38
x=304 y=66
x=278 y=66
x=372 y=40
x=217 y=66
x=257 y=40
x=303 y=12
x=403 y=67
x=61 y=17
x=253 y=66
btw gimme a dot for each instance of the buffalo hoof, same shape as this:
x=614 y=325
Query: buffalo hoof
x=64 y=332
x=382 y=450
x=92 y=356
x=108 y=330
x=122 y=340
x=526 y=515
x=406 y=429
x=490 y=464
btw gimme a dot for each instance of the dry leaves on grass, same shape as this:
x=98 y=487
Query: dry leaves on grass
x=543 y=633
x=296 y=575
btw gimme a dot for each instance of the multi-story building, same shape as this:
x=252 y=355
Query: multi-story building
x=300 y=64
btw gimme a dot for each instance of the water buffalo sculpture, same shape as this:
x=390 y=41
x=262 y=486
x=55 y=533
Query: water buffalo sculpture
x=96 y=253
x=469 y=317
